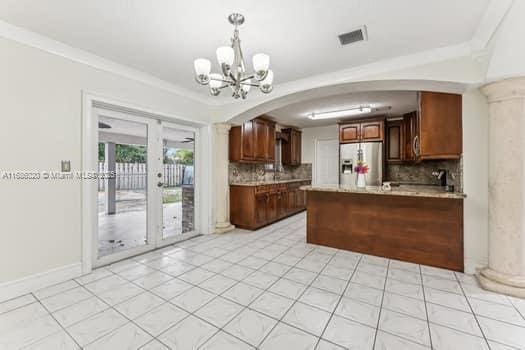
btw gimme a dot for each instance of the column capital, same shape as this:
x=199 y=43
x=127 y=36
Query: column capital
x=506 y=89
x=222 y=128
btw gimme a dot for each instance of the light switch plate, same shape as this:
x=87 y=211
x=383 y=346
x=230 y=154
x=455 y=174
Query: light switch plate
x=65 y=166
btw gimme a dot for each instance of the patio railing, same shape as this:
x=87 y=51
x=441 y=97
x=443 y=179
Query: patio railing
x=132 y=176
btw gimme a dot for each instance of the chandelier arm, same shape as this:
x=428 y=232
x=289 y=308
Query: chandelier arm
x=251 y=84
x=251 y=76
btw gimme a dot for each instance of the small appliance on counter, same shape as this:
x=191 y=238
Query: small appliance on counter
x=370 y=153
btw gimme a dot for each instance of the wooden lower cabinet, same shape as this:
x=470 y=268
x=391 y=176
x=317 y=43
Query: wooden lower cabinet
x=252 y=207
x=420 y=230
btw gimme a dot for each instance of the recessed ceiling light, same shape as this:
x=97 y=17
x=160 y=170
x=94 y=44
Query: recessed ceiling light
x=341 y=113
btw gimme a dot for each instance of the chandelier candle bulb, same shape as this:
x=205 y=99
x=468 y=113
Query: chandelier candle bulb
x=202 y=70
x=225 y=55
x=261 y=63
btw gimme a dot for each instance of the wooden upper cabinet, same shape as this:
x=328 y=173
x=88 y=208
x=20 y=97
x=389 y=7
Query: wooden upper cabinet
x=253 y=141
x=365 y=130
x=260 y=139
x=440 y=126
x=395 y=141
x=410 y=131
x=291 y=150
x=372 y=131
x=349 y=133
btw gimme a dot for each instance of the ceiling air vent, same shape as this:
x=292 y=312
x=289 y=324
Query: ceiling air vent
x=354 y=36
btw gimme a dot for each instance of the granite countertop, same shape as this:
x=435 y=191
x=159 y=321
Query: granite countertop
x=272 y=182
x=403 y=190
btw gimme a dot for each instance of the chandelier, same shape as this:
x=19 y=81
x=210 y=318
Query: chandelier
x=233 y=68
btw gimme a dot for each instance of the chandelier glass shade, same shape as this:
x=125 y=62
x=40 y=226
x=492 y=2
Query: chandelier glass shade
x=233 y=69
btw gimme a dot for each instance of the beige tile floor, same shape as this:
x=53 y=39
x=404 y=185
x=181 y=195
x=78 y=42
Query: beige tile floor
x=266 y=289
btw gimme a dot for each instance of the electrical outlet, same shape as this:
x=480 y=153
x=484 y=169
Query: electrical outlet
x=65 y=166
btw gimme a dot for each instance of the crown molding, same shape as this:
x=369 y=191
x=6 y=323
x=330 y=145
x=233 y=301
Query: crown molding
x=489 y=24
x=35 y=40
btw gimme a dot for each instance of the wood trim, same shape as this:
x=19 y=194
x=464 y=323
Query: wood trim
x=415 y=229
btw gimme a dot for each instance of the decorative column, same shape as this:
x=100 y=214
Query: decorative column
x=221 y=183
x=506 y=270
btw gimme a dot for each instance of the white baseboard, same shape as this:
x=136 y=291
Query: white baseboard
x=472 y=265
x=12 y=289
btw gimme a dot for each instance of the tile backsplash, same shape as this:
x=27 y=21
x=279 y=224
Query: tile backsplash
x=241 y=172
x=421 y=173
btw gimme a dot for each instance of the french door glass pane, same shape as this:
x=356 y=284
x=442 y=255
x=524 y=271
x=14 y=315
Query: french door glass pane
x=178 y=185
x=122 y=195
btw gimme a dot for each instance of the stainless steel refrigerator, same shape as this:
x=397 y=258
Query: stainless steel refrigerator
x=371 y=153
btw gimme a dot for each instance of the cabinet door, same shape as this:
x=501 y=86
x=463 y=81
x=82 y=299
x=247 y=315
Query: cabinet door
x=349 y=133
x=282 y=204
x=260 y=140
x=394 y=141
x=440 y=125
x=297 y=148
x=372 y=131
x=261 y=201
x=270 y=144
x=292 y=206
x=271 y=207
x=247 y=140
x=410 y=132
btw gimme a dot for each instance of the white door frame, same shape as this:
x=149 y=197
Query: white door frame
x=89 y=168
x=315 y=162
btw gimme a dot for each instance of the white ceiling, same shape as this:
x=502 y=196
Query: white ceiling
x=163 y=37
x=398 y=102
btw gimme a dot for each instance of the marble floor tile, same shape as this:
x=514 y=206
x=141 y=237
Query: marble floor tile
x=462 y=321
x=250 y=326
x=93 y=276
x=386 y=341
x=405 y=326
x=272 y=305
x=363 y=293
x=128 y=336
x=288 y=288
x=152 y=280
x=358 y=311
x=237 y=272
x=96 y=326
x=444 y=284
x=444 y=338
x=160 y=318
x=171 y=288
x=330 y=284
x=300 y=275
x=404 y=276
x=15 y=303
x=138 y=305
x=154 y=345
x=65 y=299
x=405 y=305
x=80 y=311
x=403 y=288
x=55 y=289
x=326 y=345
x=242 y=293
x=190 y=333
x=192 y=299
x=337 y=272
x=447 y=299
x=307 y=318
x=498 y=312
x=217 y=284
x=225 y=341
x=261 y=279
x=349 y=334
x=219 y=311
x=321 y=299
x=503 y=333
x=196 y=276
x=287 y=337
x=369 y=280
x=275 y=269
x=120 y=293
x=28 y=332
x=57 y=341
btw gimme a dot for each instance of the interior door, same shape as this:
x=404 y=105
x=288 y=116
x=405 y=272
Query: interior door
x=326 y=162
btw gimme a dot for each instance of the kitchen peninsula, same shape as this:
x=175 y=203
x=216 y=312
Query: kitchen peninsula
x=419 y=225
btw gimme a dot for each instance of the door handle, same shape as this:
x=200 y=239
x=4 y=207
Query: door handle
x=160 y=184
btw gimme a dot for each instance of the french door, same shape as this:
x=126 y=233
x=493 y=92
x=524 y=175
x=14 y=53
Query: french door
x=146 y=193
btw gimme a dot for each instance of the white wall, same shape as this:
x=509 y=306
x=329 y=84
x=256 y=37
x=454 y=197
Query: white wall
x=475 y=179
x=40 y=221
x=508 y=45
